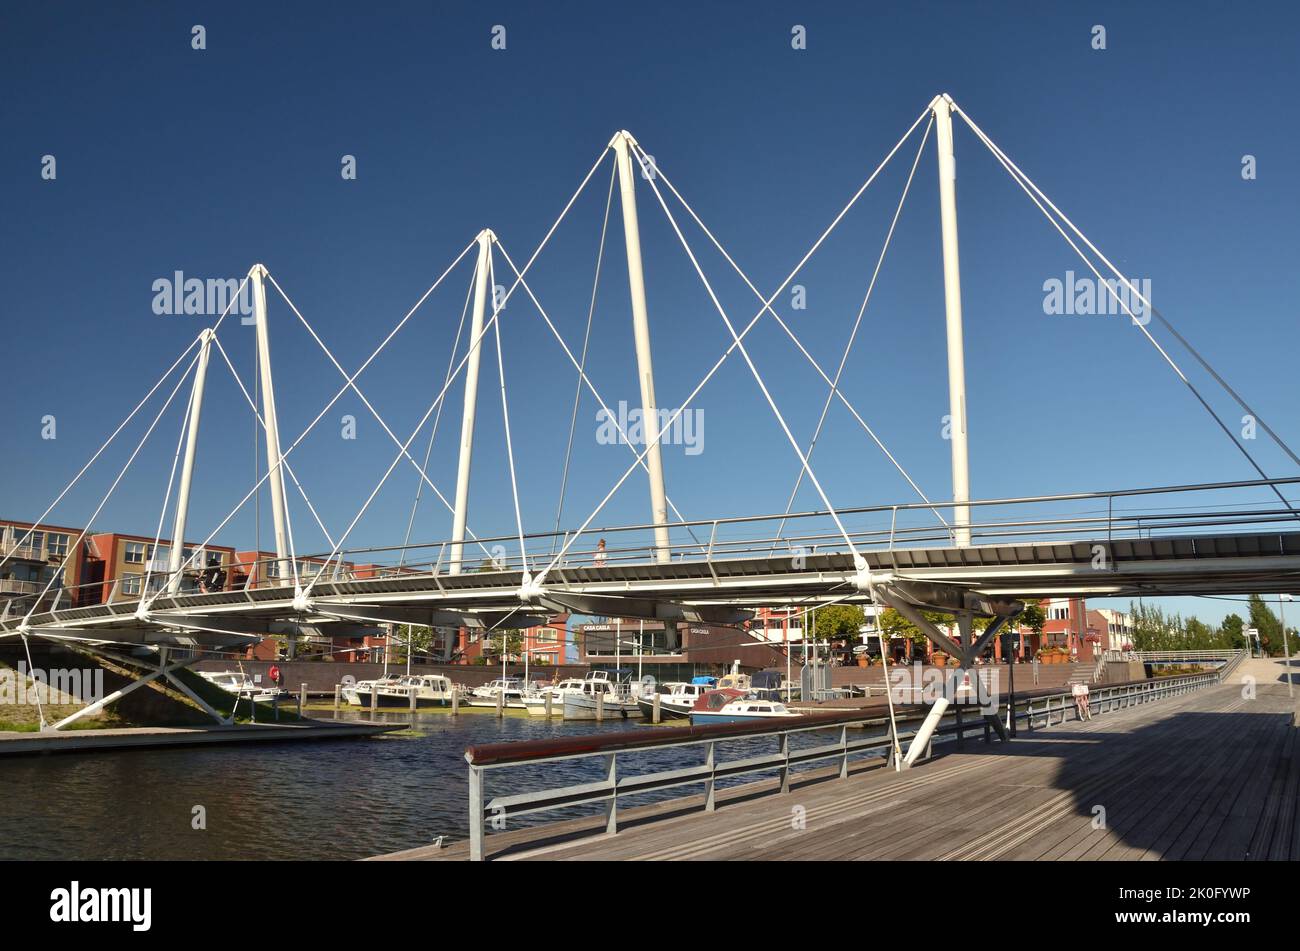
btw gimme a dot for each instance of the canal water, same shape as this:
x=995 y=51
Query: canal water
x=328 y=800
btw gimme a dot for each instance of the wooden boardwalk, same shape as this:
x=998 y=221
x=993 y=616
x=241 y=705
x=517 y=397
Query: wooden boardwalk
x=1209 y=775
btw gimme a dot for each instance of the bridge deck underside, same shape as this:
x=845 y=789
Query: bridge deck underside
x=1209 y=775
x=1212 y=564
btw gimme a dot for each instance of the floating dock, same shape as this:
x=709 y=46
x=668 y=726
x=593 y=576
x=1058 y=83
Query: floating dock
x=151 y=737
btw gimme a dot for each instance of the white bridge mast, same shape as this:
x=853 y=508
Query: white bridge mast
x=461 y=510
x=622 y=145
x=271 y=425
x=176 y=556
x=942 y=108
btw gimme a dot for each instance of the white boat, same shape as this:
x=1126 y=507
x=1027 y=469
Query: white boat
x=430 y=690
x=614 y=699
x=353 y=693
x=486 y=696
x=733 y=681
x=242 y=685
x=724 y=707
x=675 y=700
x=535 y=703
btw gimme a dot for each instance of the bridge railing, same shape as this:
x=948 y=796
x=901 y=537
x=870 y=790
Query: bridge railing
x=1111 y=515
x=1208 y=508
x=1189 y=656
x=613 y=782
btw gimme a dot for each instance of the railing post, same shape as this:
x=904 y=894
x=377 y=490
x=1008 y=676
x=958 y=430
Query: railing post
x=302 y=699
x=784 y=771
x=960 y=735
x=475 y=814
x=611 y=810
x=844 y=751
x=710 y=802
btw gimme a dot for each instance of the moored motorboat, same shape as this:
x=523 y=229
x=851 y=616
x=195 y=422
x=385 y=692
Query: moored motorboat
x=243 y=686
x=511 y=689
x=675 y=699
x=430 y=690
x=352 y=692
x=736 y=706
x=535 y=703
x=603 y=697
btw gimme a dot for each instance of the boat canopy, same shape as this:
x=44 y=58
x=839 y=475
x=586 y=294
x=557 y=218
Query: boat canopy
x=717 y=699
x=706 y=681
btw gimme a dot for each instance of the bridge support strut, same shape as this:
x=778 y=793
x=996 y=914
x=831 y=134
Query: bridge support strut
x=176 y=556
x=271 y=426
x=461 y=509
x=650 y=423
x=942 y=108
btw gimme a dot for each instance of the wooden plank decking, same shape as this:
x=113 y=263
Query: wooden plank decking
x=1207 y=775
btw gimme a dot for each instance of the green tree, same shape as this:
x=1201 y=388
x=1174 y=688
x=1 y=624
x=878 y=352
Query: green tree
x=839 y=621
x=512 y=641
x=1153 y=630
x=415 y=638
x=1265 y=621
x=1033 y=617
x=1197 y=635
x=894 y=624
x=1232 y=632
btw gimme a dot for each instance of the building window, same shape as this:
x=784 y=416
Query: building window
x=131 y=582
x=56 y=545
x=134 y=553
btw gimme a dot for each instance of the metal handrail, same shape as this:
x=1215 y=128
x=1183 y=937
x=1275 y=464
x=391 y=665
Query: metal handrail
x=612 y=787
x=1171 y=655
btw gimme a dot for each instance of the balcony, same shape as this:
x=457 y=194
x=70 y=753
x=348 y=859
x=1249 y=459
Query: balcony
x=14 y=586
x=25 y=552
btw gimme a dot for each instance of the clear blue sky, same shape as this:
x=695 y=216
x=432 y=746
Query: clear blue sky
x=206 y=161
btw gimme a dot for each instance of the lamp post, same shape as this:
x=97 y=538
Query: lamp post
x=1286 y=643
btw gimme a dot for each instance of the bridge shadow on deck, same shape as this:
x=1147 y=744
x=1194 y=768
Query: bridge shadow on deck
x=1180 y=784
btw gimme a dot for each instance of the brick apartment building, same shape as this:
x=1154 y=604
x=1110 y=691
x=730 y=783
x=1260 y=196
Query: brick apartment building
x=34 y=555
x=116 y=566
